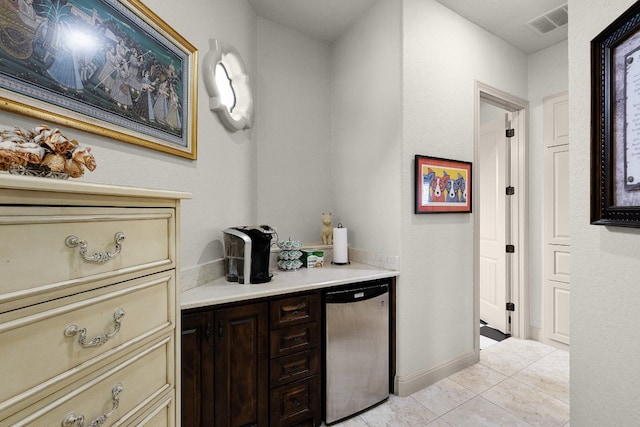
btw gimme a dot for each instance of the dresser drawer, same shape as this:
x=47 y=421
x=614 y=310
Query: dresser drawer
x=40 y=344
x=295 y=338
x=295 y=403
x=121 y=390
x=37 y=258
x=294 y=367
x=161 y=414
x=294 y=310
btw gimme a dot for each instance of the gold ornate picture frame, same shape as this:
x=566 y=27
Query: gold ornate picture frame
x=108 y=67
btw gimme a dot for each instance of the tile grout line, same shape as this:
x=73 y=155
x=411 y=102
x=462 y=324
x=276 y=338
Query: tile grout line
x=529 y=363
x=507 y=377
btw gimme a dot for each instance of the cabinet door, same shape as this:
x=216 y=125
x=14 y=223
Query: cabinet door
x=241 y=366
x=197 y=369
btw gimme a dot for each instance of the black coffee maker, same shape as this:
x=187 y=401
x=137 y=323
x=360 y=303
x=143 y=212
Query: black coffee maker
x=246 y=253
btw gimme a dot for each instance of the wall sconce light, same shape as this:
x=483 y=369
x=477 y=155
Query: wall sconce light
x=227 y=83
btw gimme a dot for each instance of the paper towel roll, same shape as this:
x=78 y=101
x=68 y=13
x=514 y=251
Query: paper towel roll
x=340 y=252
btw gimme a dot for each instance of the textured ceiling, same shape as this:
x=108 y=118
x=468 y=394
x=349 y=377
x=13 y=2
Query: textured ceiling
x=327 y=20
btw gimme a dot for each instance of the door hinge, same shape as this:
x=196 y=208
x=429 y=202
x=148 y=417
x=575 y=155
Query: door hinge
x=511 y=191
x=510 y=133
x=511 y=306
x=511 y=249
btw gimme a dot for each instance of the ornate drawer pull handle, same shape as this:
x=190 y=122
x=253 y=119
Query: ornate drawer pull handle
x=71 y=418
x=71 y=330
x=295 y=339
x=294 y=308
x=99 y=257
x=294 y=368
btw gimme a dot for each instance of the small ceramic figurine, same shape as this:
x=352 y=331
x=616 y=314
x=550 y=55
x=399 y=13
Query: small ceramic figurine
x=327 y=229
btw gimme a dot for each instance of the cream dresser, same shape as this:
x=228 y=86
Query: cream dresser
x=89 y=304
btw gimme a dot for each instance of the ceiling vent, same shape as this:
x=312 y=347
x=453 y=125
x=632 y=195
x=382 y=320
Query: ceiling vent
x=550 y=21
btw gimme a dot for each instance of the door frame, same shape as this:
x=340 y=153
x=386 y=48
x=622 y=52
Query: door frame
x=519 y=208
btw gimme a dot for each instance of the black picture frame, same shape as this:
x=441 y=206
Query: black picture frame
x=108 y=67
x=615 y=122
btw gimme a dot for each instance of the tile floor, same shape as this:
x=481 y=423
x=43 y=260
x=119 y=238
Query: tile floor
x=516 y=383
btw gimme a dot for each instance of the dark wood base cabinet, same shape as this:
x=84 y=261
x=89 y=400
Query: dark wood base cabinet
x=253 y=364
x=197 y=369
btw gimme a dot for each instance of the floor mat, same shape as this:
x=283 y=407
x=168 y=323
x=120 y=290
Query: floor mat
x=492 y=333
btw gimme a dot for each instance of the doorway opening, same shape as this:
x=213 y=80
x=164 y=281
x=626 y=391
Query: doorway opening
x=500 y=206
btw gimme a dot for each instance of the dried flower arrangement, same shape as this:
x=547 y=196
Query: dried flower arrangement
x=43 y=152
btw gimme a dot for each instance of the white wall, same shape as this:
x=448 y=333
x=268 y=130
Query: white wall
x=605 y=262
x=547 y=75
x=293 y=124
x=366 y=109
x=222 y=179
x=443 y=55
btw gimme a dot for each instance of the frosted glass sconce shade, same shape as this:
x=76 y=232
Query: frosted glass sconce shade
x=227 y=84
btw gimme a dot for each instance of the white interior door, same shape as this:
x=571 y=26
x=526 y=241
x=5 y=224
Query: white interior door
x=557 y=248
x=492 y=179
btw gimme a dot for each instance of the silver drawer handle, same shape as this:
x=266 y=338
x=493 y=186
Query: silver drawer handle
x=71 y=330
x=99 y=257
x=71 y=418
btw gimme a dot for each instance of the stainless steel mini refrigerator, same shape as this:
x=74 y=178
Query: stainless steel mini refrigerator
x=356 y=350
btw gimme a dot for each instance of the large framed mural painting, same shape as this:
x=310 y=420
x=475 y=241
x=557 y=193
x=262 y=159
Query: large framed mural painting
x=109 y=67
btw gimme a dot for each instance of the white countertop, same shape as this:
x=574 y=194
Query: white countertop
x=283 y=282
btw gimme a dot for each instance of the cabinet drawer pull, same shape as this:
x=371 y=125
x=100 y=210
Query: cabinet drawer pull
x=294 y=309
x=295 y=339
x=71 y=330
x=294 y=367
x=71 y=418
x=98 y=257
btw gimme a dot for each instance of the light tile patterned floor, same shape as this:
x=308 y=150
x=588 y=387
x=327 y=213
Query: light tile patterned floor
x=516 y=383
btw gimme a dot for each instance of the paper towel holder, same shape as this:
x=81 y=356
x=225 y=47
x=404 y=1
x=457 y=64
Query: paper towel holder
x=334 y=243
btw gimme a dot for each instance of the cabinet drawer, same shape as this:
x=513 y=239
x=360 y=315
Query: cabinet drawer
x=294 y=310
x=39 y=347
x=140 y=379
x=294 y=367
x=161 y=414
x=295 y=403
x=296 y=338
x=38 y=259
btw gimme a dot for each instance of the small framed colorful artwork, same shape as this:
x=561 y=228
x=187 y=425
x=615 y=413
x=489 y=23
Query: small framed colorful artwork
x=442 y=185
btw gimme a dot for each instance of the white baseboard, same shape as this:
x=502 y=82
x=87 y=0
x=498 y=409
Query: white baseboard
x=409 y=384
x=535 y=333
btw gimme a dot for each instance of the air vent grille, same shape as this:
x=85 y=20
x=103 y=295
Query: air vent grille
x=559 y=16
x=550 y=21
